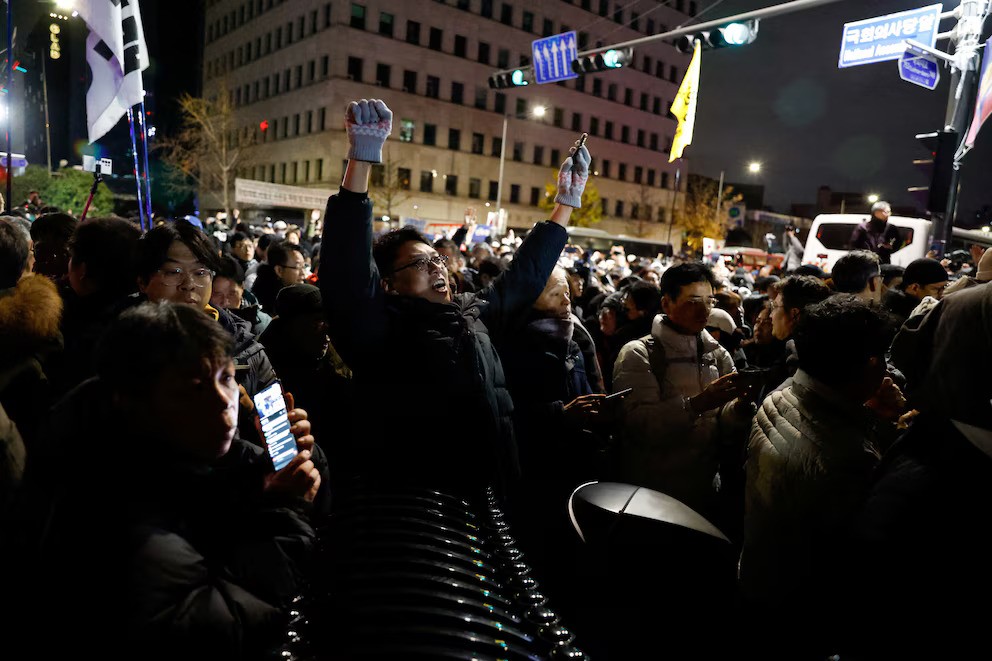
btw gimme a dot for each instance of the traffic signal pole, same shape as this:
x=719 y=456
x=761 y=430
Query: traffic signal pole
x=966 y=37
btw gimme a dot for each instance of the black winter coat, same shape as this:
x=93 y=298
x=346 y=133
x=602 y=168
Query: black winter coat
x=432 y=396
x=148 y=556
x=247 y=353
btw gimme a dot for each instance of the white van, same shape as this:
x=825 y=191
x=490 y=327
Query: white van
x=830 y=238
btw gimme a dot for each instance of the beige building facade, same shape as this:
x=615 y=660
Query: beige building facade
x=291 y=67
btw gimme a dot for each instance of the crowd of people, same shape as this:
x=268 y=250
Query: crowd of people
x=836 y=427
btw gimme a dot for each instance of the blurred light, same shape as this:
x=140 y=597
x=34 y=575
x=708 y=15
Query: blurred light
x=873 y=198
x=65 y=4
x=54 y=28
x=385 y=219
x=518 y=77
x=539 y=111
x=736 y=34
x=487 y=204
x=416 y=206
x=986 y=228
x=596 y=173
x=434 y=173
x=754 y=167
x=152 y=131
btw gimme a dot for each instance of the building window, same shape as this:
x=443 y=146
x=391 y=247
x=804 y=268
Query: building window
x=433 y=87
x=357 y=16
x=413 y=32
x=528 y=22
x=483 y=52
x=521 y=107
x=503 y=58
x=500 y=103
x=638 y=174
x=555 y=157
x=426 y=181
x=311 y=71
x=497 y=147
x=577 y=121
x=628 y=97
x=463 y=5
x=518 y=151
x=493 y=190
x=506 y=14
x=625 y=134
x=313 y=23
x=454 y=139
x=475 y=188
x=282 y=173
x=486 y=9
x=430 y=134
x=514 y=191
x=354 y=70
x=650 y=28
x=618 y=211
x=404 y=175
x=593 y=126
x=558 y=117
x=451 y=184
x=327 y=20
x=309 y=121
x=647 y=65
x=278 y=38
x=410 y=81
x=535 y=196
x=538 y=155
x=654 y=142
x=434 y=41
x=461 y=45
x=478 y=143
x=618 y=16
x=650 y=177
x=656 y=106
x=296 y=125
x=608 y=130
x=622 y=174
x=322 y=115
x=382 y=75
x=597 y=87
x=325 y=66
x=611 y=92
x=640 y=137
x=606 y=168
x=664 y=180
x=457 y=93
x=547 y=28
x=635 y=21
x=386 y=22
x=635 y=210
x=481 y=96
x=673 y=74
x=407 y=127
x=644 y=101
x=659 y=69
x=378 y=175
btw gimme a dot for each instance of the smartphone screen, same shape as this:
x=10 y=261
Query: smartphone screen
x=272 y=414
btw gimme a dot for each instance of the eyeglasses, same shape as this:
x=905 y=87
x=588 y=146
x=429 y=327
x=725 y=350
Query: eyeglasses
x=200 y=277
x=708 y=301
x=424 y=264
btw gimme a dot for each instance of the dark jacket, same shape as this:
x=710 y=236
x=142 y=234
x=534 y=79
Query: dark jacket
x=266 y=287
x=165 y=558
x=924 y=543
x=248 y=353
x=430 y=384
x=84 y=319
x=872 y=233
x=899 y=303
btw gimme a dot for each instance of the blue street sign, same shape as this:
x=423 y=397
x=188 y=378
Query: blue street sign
x=18 y=159
x=921 y=70
x=879 y=39
x=552 y=58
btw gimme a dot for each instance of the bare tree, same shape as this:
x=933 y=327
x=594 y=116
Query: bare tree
x=210 y=146
x=643 y=204
x=592 y=206
x=698 y=215
x=390 y=185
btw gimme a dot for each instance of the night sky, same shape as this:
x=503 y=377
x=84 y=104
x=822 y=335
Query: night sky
x=783 y=101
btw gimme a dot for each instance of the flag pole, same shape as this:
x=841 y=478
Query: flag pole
x=10 y=98
x=137 y=173
x=144 y=154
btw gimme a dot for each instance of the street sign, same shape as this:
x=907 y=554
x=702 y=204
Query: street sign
x=921 y=70
x=18 y=160
x=552 y=58
x=881 y=38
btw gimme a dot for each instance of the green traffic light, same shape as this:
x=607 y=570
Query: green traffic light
x=517 y=77
x=611 y=59
x=736 y=34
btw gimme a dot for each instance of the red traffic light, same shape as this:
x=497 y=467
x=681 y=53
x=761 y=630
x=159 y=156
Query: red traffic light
x=264 y=125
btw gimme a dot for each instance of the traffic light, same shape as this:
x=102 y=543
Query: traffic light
x=512 y=78
x=937 y=168
x=731 y=34
x=613 y=58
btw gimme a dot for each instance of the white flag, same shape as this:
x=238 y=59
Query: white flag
x=116 y=54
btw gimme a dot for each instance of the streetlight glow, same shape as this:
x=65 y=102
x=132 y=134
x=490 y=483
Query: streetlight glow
x=754 y=167
x=873 y=198
x=540 y=111
x=65 y=4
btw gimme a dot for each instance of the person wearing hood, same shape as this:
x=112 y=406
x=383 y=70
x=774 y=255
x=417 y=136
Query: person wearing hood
x=686 y=396
x=876 y=234
x=30 y=341
x=927 y=513
x=396 y=323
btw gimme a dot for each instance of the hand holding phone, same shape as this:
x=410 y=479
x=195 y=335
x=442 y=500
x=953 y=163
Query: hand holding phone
x=619 y=394
x=273 y=416
x=578 y=144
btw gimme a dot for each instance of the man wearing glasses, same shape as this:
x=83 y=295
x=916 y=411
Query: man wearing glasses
x=424 y=359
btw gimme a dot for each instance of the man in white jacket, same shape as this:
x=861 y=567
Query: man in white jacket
x=685 y=391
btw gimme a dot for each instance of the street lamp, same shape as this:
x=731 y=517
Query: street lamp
x=536 y=111
x=65 y=5
x=754 y=167
x=873 y=198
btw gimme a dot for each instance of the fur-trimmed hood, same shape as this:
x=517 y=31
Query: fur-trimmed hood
x=30 y=314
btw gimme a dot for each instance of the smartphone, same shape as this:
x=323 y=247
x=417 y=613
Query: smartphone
x=270 y=406
x=619 y=393
x=582 y=142
x=754 y=376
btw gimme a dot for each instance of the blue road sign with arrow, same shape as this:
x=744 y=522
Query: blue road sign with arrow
x=552 y=58
x=921 y=70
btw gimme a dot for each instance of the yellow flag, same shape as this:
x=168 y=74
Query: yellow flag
x=684 y=106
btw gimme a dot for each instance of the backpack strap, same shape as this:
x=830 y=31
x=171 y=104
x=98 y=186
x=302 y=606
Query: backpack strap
x=656 y=359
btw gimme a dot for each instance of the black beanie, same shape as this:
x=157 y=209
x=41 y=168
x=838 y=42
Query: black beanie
x=923 y=272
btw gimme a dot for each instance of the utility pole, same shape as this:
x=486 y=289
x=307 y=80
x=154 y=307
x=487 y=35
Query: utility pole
x=719 y=199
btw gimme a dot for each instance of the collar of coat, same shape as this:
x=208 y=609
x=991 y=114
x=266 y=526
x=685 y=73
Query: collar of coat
x=466 y=306
x=663 y=331
x=827 y=393
x=30 y=313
